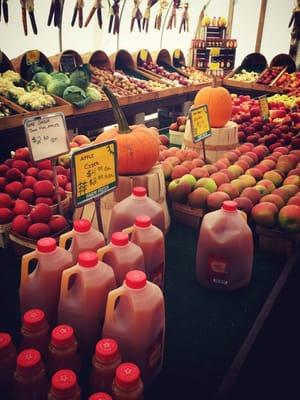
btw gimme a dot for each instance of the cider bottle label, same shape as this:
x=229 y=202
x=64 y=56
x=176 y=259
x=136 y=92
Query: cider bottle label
x=218 y=269
x=155 y=352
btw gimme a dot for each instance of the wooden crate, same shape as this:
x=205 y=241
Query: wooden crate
x=187 y=215
x=14 y=120
x=277 y=241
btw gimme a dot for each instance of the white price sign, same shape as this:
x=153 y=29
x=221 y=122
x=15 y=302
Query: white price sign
x=46 y=136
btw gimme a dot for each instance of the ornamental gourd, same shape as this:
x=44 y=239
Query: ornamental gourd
x=137 y=145
x=219 y=104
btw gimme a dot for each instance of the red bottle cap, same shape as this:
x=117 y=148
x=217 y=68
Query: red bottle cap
x=64 y=382
x=62 y=336
x=88 y=259
x=119 y=239
x=142 y=221
x=107 y=349
x=46 y=245
x=139 y=191
x=29 y=361
x=229 y=205
x=136 y=279
x=100 y=396
x=5 y=340
x=127 y=375
x=34 y=319
x=82 y=225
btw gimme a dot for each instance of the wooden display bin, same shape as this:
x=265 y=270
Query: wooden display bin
x=5 y=63
x=15 y=119
x=22 y=62
x=187 y=215
x=277 y=241
x=56 y=60
x=178 y=59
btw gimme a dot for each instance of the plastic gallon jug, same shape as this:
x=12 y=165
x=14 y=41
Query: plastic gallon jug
x=83 y=296
x=40 y=289
x=8 y=354
x=122 y=255
x=64 y=386
x=127 y=384
x=100 y=396
x=135 y=318
x=138 y=203
x=225 y=249
x=151 y=240
x=84 y=238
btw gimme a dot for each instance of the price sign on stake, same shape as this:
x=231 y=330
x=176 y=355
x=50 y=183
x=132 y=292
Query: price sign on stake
x=68 y=63
x=200 y=125
x=264 y=107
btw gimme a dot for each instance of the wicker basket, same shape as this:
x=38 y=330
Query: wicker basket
x=55 y=209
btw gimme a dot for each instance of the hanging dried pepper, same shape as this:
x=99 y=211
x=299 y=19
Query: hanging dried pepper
x=96 y=7
x=28 y=6
x=78 y=10
x=185 y=18
x=114 y=19
x=4 y=7
x=172 y=19
x=55 y=11
x=146 y=17
x=136 y=15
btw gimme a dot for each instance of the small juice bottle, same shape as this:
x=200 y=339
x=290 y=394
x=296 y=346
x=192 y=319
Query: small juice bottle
x=64 y=386
x=127 y=384
x=29 y=379
x=40 y=289
x=8 y=356
x=63 y=350
x=100 y=396
x=122 y=255
x=105 y=361
x=138 y=203
x=35 y=332
x=135 y=318
x=84 y=291
x=84 y=238
x=225 y=249
x=151 y=240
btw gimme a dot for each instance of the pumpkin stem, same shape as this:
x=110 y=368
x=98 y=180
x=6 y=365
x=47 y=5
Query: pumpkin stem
x=117 y=110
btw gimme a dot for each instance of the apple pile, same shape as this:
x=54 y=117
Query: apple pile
x=245 y=76
x=290 y=83
x=195 y=75
x=171 y=76
x=179 y=125
x=269 y=75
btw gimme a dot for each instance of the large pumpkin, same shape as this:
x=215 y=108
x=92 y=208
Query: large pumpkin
x=219 y=104
x=137 y=145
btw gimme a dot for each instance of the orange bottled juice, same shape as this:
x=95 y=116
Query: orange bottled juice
x=29 y=379
x=105 y=361
x=64 y=386
x=40 y=289
x=100 y=396
x=84 y=238
x=151 y=240
x=122 y=255
x=138 y=203
x=135 y=318
x=225 y=249
x=8 y=356
x=63 y=350
x=127 y=384
x=83 y=296
x=35 y=332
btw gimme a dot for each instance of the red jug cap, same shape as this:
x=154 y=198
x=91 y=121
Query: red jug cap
x=46 y=245
x=139 y=191
x=127 y=375
x=107 y=349
x=5 y=340
x=136 y=279
x=33 y=318
x=100 y=396
x=142 y=221
x=119 y=238
x=229 y=205
x=82 y=225
x=64 y=382
x=28 y=360
x=88 y=259
x=62 y=335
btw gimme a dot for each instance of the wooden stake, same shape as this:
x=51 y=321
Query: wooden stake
x=58 y=195
x=230 y=18
x=260 y=29
x=98 y=214
x=204 y=152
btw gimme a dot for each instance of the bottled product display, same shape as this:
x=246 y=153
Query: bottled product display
x=127 y=384
x=8 y=354
x=64 y=386
x=100 y=396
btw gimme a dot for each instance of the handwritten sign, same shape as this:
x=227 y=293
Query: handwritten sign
x=46 y=136
x=215 y=51
x=264 y=107
x=67 y=63
x=200 y=123
x=94 y=172
x=143 y=55
x=32 y=56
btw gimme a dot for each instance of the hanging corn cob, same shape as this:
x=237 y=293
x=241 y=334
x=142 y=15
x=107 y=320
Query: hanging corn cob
x=146 y=17
x=97 y=7
x=78 y=10
x=185 y=18
x=163 y=4
x=136 y=15
x=172 y=19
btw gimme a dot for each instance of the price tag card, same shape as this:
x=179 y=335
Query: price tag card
x=94 y=172
x=215 y=51
x=177 y=53
x=200 y=123
x=264 y=107
x=32 y=56
x=67 y=63
x=214 y=66
x=46 y=136
x=143 y=55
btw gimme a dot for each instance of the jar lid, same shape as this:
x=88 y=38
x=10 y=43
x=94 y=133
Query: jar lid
x=119 y=239
x=88 y=259
x=34 y=318
x=82 y=225
x=136 y=279
x=28 y=361
x=64 y=382
x=107 y=349
x=62 y=336
x=139 y=191
x=46 y=245
x=127 y=375
x=142 y=221
x=5 y=340
x=100 y=396
x=229 y=205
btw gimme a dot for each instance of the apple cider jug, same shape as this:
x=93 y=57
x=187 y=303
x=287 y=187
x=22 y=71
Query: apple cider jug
x=225 y=249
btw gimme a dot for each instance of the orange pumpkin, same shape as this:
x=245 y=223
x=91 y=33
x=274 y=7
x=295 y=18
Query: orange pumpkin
x=219 y=104
x=137 y=145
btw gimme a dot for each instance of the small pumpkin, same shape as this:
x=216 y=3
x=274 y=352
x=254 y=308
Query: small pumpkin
x=137 y=145
x=219 y=104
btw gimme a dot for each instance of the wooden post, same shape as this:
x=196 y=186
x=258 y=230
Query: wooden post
x=230 y=18
x=263 y=7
